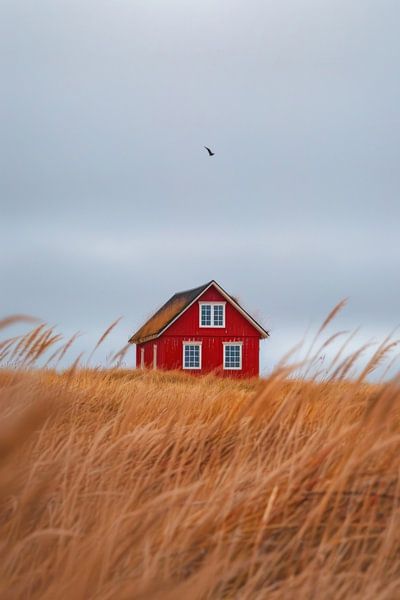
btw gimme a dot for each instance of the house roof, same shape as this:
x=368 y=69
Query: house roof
x=176 y=305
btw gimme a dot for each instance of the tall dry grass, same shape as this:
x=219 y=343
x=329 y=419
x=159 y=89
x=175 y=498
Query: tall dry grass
x=123 y=484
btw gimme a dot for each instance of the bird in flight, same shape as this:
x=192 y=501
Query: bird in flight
x=210 y=152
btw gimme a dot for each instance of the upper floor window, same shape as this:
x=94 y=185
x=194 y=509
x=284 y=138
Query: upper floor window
x=212 y=314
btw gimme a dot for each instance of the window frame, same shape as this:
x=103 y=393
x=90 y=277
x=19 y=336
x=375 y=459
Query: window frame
x=225 y=345
x=212 y=304
x=194 y=343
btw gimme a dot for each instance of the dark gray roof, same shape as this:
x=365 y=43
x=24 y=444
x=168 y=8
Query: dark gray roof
x=167 y=313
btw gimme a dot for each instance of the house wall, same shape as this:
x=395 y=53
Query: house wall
x=148 y=354
x=170 y=350
x=235 y=323
x=187 y=328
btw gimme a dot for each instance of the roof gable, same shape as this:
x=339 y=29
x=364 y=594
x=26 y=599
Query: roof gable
x=177 y=305
x=167 y=314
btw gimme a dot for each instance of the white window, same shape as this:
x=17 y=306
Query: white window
x=232 y=356
x=192 y=355
x=212 y=314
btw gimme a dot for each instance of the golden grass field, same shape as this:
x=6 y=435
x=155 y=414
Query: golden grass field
x=126 y=484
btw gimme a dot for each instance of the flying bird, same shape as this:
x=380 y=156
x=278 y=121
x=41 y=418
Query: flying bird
x=210 y=152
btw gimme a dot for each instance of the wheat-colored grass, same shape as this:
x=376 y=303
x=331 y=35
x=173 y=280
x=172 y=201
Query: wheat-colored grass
x=122 y=484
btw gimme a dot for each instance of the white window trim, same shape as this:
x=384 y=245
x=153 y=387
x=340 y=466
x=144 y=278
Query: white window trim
x=154 y=356
x=240 y=344
x=142 y=358
x=187 y=343
x=223 y=304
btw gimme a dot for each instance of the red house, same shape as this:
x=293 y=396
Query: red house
x=201 y=330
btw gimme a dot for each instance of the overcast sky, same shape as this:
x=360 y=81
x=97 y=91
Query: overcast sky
x=110 y=204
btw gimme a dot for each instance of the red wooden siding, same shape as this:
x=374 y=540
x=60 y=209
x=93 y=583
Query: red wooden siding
x=237 y=329
x=235 y=323
x=170 y=354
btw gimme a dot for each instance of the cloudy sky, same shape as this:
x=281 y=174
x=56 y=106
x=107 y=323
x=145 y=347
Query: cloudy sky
x=109 y=203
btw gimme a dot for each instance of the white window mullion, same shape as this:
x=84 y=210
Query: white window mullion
x=142 y=358
x=155 y=356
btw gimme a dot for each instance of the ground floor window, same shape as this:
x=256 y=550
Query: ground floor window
x=232 y=355
x=192 y=355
